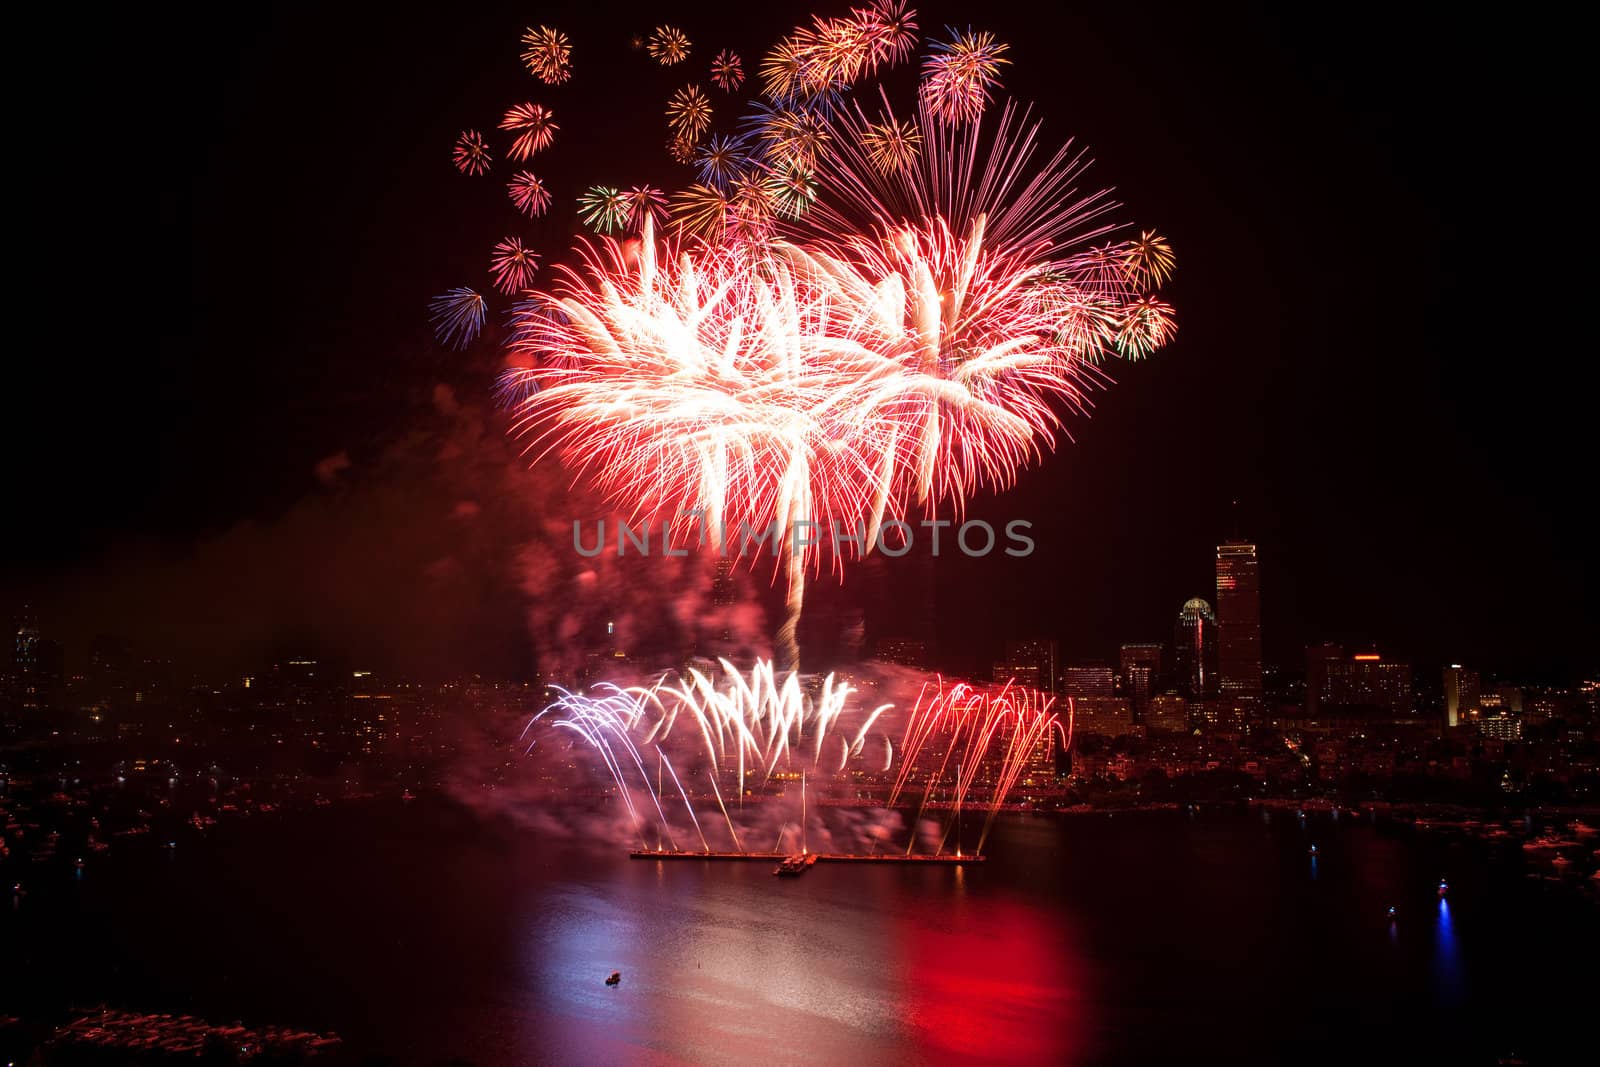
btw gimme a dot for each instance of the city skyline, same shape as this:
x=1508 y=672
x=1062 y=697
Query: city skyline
x=1236 y=577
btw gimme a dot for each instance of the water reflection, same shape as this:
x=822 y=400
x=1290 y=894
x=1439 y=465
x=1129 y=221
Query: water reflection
x=1448 y=977
x=857 y=964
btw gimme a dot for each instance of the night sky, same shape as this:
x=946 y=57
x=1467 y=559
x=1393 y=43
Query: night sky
x=230 y=432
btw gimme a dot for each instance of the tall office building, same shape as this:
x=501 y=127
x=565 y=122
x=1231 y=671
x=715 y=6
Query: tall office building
x=1462 y=698
x=1034 y=659
x=1318 y=658
x=1139 y=676
x=37 y=666
x=1194 y=646
x=1238 y=621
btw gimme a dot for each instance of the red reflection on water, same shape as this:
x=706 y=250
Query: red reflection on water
x=1002 y=985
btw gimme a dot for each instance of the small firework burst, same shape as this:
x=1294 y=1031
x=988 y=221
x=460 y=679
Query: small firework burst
x=604 y=209
x=720 y=160
x=700 y=211
x=529 y=194
x=891 y=32
x=791 y=187
x=537 y=129
x=959 y=74
x=727 y=72
x=513 y=266
x=668 y=45
x=471 y=154
x=681 y=149
x=548 y=54
x=1149 y=259
x=457 y=316
x=892 y=145
x=646 y=201
x=688 y=113
x=1147 y=324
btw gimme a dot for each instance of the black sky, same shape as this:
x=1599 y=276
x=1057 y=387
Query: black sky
x=235 y=224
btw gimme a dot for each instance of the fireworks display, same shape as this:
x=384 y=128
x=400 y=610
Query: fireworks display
x=959 y=736
x=668 y=46
x=471 y=153
x=892 y=146
x=604 y=209
x=529 y=194
x=548 y=55
x=727 y=71
x=535 y=129
x=513 y=266
x=839 y=321
x=720 y=738
x=959 y=74
x=457 y=316
x=688 y=113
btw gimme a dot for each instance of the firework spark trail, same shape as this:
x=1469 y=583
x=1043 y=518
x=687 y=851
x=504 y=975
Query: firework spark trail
x=752 y=724
x=457 y=316
x=969 y=721
x=606 y=723
x=684 y=793
x=754 y=721
x=747 y=725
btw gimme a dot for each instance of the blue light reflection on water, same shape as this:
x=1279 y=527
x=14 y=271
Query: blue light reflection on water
x=1449 y=980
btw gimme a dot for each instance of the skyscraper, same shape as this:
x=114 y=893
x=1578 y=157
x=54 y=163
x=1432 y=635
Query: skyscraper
x=1318 y=659
x=1140 y=675
x=1462 y=698
x=1238 y=621
x=1036 y=658
x=37 y=665
x=1194 y=646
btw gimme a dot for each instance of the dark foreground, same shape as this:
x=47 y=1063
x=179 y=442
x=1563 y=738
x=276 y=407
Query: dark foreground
x=421 y=935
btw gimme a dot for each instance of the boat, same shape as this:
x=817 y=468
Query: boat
x=796 y=865
x=1444 y=887
x=615 y=978
x=1393 y=913
x=1313 y=850
x=1547 y=843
